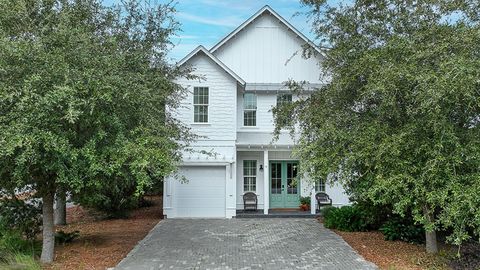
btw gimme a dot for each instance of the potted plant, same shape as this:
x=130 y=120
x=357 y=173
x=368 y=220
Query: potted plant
x=305 y=203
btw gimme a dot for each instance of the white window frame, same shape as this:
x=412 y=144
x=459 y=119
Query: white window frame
x=254 y=176
x=284 y=101
x=321 y=183
x=250 y=109
x=201 y=104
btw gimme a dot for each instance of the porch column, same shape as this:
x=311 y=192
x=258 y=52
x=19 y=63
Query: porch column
x=266 y=185
x=313 y=202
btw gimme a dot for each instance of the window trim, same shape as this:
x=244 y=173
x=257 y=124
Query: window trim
x=198 y=104
x=285 y=102
x=250 y=110
x=251 y=176
x=318 y=184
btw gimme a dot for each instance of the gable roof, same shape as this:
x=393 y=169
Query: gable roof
x=268 y=9
x=201 y=49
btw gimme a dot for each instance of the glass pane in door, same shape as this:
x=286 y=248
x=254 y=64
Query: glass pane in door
x=292 y=170
x=276 y=178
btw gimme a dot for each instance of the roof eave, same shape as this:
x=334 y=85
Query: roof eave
x=255 y=16
x=214 y=59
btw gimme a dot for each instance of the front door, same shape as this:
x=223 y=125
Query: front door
x=284 y=184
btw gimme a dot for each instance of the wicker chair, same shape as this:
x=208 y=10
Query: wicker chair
x=250 y=201
x=322 y=199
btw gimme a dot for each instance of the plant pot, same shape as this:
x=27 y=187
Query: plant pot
x=304 y=207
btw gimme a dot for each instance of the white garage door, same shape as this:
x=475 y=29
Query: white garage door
x=203 y=195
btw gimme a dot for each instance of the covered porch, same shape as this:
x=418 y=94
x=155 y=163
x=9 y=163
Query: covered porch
x=272 y=173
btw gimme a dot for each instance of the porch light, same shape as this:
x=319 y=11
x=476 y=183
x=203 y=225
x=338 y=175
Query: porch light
x=261 y=167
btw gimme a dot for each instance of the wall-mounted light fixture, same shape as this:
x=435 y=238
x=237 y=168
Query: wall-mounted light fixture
x=261 y=167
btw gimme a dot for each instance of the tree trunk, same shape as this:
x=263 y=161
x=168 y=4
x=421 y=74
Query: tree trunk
x=61 y=207
x=48 y=244
x=431 y=242
x=430 y=237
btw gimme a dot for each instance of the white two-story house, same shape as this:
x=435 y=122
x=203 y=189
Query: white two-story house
x=244 y=76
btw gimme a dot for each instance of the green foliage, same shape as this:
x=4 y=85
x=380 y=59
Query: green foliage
x=62 y=237
x=83 y=95
x=20 y=261
x=397 y=121
x=375 y=215
x=305 y=200
x=114 y=200
x=20 y=216
x=398 y=228
x=345 y=218
x=12 y=243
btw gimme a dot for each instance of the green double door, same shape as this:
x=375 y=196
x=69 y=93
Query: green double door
x=284 y=184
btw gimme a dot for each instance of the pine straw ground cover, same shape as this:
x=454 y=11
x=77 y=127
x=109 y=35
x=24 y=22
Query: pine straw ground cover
x=392 y=254
x=103 y=243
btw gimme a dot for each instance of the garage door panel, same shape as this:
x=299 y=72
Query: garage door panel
x=196 y=192
x=200 y=213
x=203 y=195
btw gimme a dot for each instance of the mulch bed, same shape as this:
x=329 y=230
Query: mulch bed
x=469 y=259
x=389 y=255
x=103 y=243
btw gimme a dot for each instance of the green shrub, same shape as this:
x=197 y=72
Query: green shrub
x=21 y=216
x=404 y=229
x=114 y=199
x=346 y=218
x=374 y=215
x=305 y=200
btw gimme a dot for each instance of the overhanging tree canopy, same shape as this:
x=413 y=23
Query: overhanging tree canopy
x=399 y=116
x=83 y=90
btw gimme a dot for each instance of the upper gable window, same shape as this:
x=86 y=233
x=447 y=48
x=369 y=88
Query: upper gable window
x=200 y=104
x=249 y=109
x=284 y=99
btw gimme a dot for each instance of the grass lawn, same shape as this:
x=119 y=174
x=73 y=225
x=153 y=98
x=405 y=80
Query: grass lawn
x=103 y=243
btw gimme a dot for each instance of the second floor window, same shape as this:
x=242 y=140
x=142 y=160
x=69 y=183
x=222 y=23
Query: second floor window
x=284 y=99
x=249 y=109
x=200 y=104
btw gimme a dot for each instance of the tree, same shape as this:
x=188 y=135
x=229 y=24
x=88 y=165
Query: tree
x=83 y=91
x=398 y=119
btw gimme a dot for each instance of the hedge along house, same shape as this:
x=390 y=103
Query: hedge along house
x=244 y=77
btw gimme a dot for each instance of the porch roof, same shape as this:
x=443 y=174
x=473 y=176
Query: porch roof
x=278 y=87
x=264 y=140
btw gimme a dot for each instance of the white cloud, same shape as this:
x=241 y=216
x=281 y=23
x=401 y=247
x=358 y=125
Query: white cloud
x=186 y=37
x=226 y=21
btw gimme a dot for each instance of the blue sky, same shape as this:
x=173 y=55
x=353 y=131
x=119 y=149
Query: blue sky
x=205 y=22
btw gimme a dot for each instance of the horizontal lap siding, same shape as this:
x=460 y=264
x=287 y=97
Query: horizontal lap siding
x=222 y=89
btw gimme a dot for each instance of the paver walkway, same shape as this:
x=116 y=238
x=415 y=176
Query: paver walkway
x=242 y=244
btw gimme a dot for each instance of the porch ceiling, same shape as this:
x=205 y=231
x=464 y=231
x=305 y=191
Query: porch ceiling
x=278 y=87
x=258 y=140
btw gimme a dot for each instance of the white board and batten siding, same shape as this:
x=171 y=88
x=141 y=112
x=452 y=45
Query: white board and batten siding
x=259 y=53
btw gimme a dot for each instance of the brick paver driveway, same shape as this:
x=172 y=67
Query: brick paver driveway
x=242 y=244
